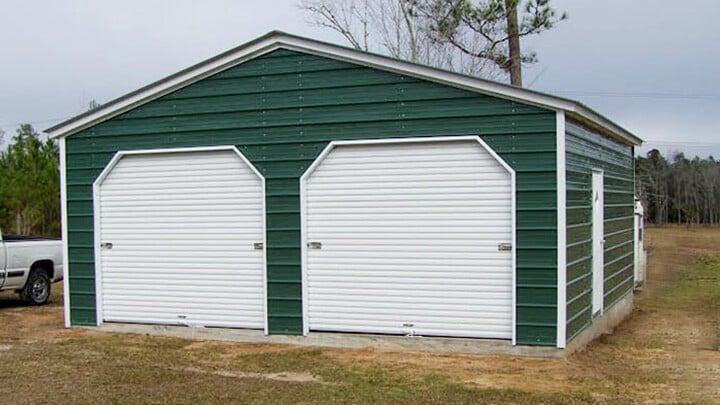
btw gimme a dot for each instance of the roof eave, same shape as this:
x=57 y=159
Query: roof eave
x=583 y=113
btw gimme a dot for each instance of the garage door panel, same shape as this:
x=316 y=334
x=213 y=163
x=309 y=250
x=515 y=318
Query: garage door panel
x=399 y=189
x=373 y=155
x=439 y=260
x=416 y=168
x=439 y=318
x=410 y=235
x=489 y=281
x=489 y=330
x=171 y=300
x=386 y=234
x=364 y=292
x=409 y=151
x=437 y=301
x=493 y=308
x=475 y=214
x=408 y=183
x=219 y=173
x=214 y=320
x=229 y=203
x=408 y=259
x=392 y=205
x=202 y=288
x=489 y=275
x=190 y=224
x=221 y=246
x=173 y=188
x=410 y=286
x=188 y=196
x=343 y=242
x=183 y=227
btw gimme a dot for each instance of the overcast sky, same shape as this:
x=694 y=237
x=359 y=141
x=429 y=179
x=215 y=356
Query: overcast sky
x=652 y=66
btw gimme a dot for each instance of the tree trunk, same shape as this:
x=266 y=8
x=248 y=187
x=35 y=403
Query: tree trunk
x=515 y=67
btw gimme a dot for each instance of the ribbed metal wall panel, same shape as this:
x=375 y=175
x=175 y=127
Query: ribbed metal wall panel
x=182 y=228
x=281 y=110
x=410 y=235
x=587 y=150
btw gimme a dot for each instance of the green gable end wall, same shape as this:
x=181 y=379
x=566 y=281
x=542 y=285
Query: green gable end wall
x=281 y=110
x=587 y=150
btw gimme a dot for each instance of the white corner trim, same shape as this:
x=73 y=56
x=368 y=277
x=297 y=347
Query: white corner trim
x=514 y=255
x=561 y=232
x=279 y=40
x=266 y=329
x=64 y=226
x=321 y=157
x=96 y=214
x=97 y=240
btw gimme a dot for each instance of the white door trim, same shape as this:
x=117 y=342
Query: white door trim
x=561 y=232
x=598 y=241
x=96 y=214
x=64 y=223
x=333 y=144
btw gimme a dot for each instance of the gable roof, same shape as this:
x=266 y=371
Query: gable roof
x=279 y=40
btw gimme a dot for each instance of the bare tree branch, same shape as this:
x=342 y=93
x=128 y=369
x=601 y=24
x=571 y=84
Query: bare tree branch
x=329 y=15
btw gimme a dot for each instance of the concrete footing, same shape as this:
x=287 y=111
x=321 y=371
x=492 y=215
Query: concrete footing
x=342 y=340
x=601 y=325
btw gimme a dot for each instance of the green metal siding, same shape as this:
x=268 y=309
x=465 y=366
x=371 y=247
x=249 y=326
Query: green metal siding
x=587 y=150
x=281 y=110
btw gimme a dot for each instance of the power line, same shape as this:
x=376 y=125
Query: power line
x=657 y=96
x=683 y=143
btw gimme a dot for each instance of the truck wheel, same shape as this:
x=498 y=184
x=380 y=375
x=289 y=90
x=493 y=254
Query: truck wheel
x=37 y=288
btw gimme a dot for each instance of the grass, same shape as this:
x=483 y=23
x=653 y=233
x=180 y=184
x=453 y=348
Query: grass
x=698 y=288
x=698 y=291
x=659 y=355
x=122 y=369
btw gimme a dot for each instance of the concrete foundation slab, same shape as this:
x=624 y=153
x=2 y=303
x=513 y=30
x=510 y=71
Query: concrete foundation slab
x=603 y=324
x=341 y=340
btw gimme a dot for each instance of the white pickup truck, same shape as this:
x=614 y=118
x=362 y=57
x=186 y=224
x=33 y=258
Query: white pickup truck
x=29 y=266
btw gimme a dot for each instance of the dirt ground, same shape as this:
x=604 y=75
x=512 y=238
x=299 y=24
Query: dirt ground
x=666 y=352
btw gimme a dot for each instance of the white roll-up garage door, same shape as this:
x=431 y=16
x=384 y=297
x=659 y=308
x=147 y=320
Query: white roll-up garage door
x=177 y=235
x=410 y=238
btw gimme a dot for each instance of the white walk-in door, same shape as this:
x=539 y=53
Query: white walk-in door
x=177 y=241
x=410 y=238
x=598 y=230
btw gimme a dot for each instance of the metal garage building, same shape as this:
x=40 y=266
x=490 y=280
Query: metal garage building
x=295 y=186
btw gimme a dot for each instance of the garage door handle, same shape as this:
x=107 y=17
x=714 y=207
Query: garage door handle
x=106 y=245
x=505 y=247
x=258 y=246
x=314 y=245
